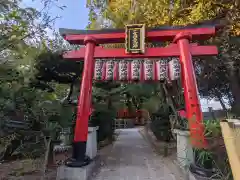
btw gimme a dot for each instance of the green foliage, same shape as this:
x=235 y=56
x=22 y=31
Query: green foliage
x=160 y=125
x=22 y=40
x=204 y=158
x=215 y=156
x=51 y=66
x=65 y=117
x=212 y=128
x=21 y=26
x=182 y=124
x=152 y=105
x=104 y=118
x=137 y=94
x=161 y=12
x=218 y=77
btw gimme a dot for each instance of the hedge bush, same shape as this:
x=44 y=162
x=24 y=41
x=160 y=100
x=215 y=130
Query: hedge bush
x=104 y=118
x=161 y=126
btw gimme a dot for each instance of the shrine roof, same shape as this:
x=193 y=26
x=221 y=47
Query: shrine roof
x=65 y=31
x=201 y=31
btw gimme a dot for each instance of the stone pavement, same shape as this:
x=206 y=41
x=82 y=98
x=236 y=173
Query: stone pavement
x=132 y=158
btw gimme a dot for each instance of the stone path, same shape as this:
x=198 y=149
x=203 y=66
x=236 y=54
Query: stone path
x=132 y=158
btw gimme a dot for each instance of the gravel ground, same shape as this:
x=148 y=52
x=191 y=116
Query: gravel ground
x=132 y=158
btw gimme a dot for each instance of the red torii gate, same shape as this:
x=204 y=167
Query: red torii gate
x=180 y=47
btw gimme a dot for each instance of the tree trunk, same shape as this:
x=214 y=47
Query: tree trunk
x=230 y=99
x=170 y=100
x=46 y=158
x=221 y=102
x=235 y=88
x=71 y=90
x=109 y=102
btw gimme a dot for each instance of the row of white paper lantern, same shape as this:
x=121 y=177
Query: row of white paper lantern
x=123 y=70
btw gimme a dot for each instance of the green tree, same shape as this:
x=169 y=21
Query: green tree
x=219 y=76
x=22 y=38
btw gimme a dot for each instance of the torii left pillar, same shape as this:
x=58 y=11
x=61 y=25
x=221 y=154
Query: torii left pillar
x=79 y=158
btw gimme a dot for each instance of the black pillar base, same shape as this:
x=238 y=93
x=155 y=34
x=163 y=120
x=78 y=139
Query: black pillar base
x=78 y=155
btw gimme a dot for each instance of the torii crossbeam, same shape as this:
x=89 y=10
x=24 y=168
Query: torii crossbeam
x=135 y=36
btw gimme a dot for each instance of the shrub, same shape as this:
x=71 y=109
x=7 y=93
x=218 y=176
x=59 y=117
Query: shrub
x=161 y=126
x=104 y=118
x=215 y=156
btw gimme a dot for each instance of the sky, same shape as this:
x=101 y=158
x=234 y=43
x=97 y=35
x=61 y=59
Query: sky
x=75 y=16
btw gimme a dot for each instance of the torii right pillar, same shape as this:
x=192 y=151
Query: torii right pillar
x=193 y=106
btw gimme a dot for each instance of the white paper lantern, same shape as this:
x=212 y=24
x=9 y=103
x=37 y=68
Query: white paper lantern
x=148 y=70
x=98 y=70
x=162 y=69
x=109 y=70
x=123 y=70
x=174 y=69
x=135 y=69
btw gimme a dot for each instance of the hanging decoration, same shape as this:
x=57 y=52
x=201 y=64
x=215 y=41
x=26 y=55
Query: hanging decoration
x=132 y=70
x=98 y=70
x=135 y=70
x=123 y=70
x=109 y=70
x=148 y=70
x=174 y=69
x=162 y=69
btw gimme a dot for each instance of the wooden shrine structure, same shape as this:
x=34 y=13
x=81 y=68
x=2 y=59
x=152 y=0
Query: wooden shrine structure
x=135 y=62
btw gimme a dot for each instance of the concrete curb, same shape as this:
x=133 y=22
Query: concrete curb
x=83 y=173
